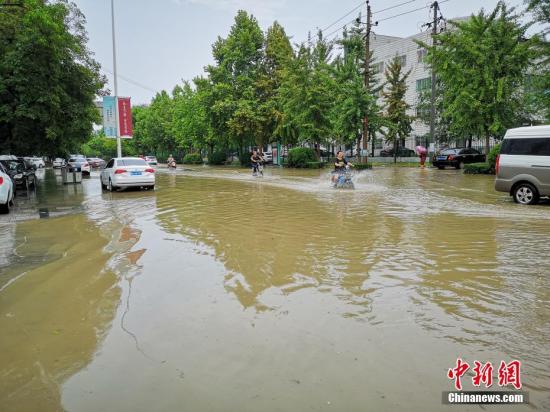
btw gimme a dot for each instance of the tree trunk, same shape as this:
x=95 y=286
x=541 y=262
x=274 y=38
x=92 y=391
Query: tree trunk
x=395 y=149
x=373 y=141
x=487 y=144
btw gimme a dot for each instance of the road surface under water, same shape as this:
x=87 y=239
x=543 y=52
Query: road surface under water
x=223 y=292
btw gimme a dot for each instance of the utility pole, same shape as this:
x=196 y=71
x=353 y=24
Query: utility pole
x=435 y=7
x=118 y=142
x=367 y=72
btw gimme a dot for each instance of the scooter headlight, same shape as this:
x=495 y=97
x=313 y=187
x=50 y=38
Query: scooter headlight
x=18 y=176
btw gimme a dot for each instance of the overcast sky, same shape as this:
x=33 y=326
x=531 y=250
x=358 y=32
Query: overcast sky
x=161 y=42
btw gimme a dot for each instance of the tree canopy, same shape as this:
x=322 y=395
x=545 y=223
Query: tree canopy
x=48 y=79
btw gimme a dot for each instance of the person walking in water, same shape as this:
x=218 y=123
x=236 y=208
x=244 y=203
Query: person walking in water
x=422 y=154
x=255 y=159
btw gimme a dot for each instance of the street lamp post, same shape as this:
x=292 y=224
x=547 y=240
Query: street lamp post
x=118 y=143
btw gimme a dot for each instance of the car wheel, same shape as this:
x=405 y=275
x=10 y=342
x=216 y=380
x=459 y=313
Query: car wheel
x=103 y=187
x=110 y=186
x=5 y=208
x=526 y=194
x=441 y=167
x=152 y=187
x=460 y=166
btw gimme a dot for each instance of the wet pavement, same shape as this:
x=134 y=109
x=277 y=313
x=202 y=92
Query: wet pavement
x=220 y=291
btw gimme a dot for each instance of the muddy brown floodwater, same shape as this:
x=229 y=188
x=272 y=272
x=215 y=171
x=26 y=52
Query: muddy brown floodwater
x=222 y=292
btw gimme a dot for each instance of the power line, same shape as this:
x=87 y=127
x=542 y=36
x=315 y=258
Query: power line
x=128 y=80
x=410 y=11
x=344 y=16
x=394 y=7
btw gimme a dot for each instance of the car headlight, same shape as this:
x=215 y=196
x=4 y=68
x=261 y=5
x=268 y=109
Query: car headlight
x=18 y=176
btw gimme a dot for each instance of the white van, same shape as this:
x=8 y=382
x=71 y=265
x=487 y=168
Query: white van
x=523 y=166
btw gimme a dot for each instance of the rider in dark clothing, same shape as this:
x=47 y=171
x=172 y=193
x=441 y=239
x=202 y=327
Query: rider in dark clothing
x=340 y=165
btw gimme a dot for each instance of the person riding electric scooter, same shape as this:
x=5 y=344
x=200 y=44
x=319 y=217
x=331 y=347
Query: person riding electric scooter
x=341 y=176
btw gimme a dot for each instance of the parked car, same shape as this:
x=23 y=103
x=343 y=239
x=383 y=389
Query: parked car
x=123 y=172
x=59 y=163
x=523 y=166
x=95 y=162
x=457 y=157
x=81 y=163
x=152 y=160
x=20 y=172
x=7 y=190
x=38 y=162
x=268 y=157
x=401 y=152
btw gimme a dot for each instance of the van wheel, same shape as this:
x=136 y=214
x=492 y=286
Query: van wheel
x=526 y=194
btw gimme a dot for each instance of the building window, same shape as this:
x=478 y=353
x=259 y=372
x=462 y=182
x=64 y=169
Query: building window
x=378 y=67
x=421 y=53
x=403 y=60
x=423 y=84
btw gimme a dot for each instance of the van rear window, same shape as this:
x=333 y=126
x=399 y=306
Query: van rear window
x=529 y=147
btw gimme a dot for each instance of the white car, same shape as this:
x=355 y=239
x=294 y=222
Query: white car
x=58 y=163
x=123 y=172
x=6 y=191
x=80 y=162
x=268 y=157
x=152 y=160
x=36 y=161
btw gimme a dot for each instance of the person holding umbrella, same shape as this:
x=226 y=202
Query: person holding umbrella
x=422 y=153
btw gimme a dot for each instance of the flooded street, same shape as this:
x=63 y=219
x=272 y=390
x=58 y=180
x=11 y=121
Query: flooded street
x=220 y=291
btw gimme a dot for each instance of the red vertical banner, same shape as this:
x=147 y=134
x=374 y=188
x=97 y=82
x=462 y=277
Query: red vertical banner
x=125 y=117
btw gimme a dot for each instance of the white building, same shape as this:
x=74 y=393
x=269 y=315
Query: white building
x=385 y=49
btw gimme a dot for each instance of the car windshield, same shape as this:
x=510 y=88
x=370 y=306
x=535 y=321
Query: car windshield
x=131 y=162
x=448 y=151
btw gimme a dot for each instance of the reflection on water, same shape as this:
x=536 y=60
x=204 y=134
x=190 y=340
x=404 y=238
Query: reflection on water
x=220 y=291
x=53 y=315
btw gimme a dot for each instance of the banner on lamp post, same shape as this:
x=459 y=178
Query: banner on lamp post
x=109 y=122
x=125 y=117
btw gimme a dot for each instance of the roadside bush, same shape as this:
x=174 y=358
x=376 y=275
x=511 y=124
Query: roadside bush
x=192 y=159
x=301 y=156
x=315 y=165
x=245 y=159
x=477 y=169
x=362 y=166
x=492 y=156
x=217 y=158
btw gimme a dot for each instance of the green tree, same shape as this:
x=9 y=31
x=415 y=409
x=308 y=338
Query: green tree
x=190 y=124
x=278 y=55
x=538 y=83
x=353 y=99
x=48 y=79
x=235 y=102
x=307 y=94
x=398 y=121
x=482 y=64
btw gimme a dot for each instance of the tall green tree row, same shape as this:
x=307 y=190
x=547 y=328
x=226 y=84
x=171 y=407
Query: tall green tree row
x=48 y=78
x=260 y=88
x=482 y=64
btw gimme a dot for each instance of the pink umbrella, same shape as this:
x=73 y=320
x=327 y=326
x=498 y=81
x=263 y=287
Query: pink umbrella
x=421 y=150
